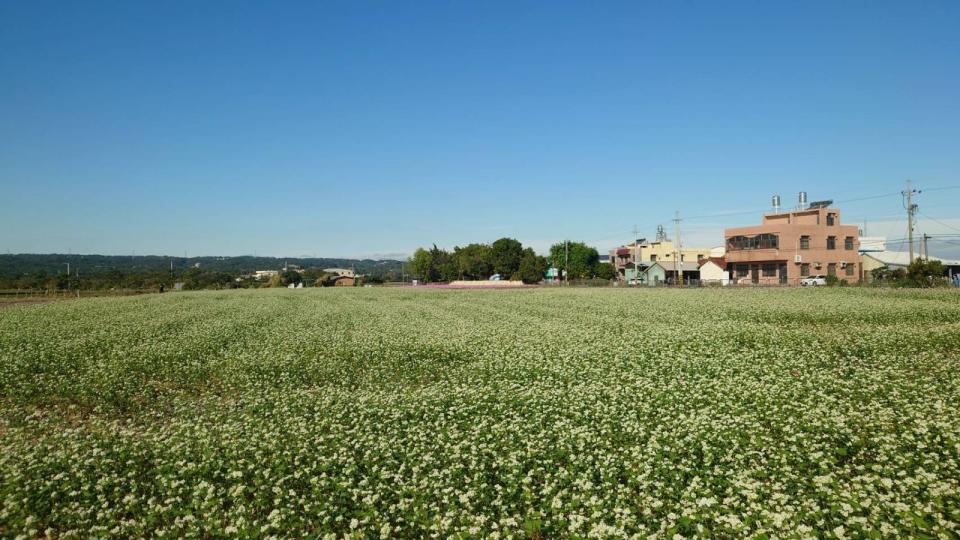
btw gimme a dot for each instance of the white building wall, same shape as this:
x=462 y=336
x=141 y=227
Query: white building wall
x=710 y=272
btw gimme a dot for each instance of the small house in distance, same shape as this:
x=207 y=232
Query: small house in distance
x=713 y=271
x=265 y=274
x=673 y=271
x=653 y=275
x=344 y=272
x=344 y=281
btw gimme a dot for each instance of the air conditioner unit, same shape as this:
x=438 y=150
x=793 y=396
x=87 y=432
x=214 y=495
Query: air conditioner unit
x=843 y=264
x=798 y=259
x=818 y=265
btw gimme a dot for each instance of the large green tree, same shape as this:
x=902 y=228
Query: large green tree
x=291 y=277
x=605 y=270
x=505 y=255
x=532 y=267
x=579 y=259
x=421 y=264
x=443 y=265
x=433 y=265
x=473 y=261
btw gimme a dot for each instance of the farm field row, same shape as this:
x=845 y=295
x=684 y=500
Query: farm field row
x=384 y=413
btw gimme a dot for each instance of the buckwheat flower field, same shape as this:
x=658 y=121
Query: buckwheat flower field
x=386 y=413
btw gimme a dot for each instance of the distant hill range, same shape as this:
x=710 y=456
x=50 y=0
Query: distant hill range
x=23 y=264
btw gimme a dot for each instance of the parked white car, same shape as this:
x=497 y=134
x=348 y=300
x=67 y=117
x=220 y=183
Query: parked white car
x=813 y=281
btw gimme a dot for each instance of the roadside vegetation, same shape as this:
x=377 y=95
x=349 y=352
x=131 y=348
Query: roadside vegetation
x=922 y=273
x=508 y=259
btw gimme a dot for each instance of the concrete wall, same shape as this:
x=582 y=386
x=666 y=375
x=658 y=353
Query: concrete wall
x=711 y=272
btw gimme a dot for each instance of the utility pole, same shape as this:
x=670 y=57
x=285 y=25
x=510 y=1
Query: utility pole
x=926 y=250
x=636 y=257
x=911 y=210
x=678 y=257
x=68 y=276
x=566 y=261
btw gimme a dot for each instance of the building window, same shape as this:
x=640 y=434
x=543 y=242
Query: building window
x=700 y=256
x=761 y=241
x=653 y=257
x=737 y=242
x=767 y=241
x=769 y=270
x=805 y=269
x=832 y=269
x=831 y=219
x=848 y=243
x=850 y=270
x=742 y=270
x=831 y=242
x=804 y=242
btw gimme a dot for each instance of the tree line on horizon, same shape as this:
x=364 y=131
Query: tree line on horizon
x=19 y=264
x=509 y=259
x=102 y=272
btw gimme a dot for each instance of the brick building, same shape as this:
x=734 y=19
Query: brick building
x=791 y=245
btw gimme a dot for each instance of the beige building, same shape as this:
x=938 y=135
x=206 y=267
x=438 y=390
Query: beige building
x=346 y=272
x=789 y=246
x=643 y=253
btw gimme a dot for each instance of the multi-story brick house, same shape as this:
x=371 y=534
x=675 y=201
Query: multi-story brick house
x=791 y=245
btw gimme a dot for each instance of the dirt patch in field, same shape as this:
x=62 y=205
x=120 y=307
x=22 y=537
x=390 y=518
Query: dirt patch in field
x=27 y=302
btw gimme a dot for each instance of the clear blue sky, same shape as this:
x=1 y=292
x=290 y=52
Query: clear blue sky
x=370 y=128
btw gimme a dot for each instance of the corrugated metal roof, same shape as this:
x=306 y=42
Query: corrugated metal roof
x=670 y=266
x=902 y=258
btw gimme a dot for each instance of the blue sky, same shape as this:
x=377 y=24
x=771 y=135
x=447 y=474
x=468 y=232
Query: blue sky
x=370 y=128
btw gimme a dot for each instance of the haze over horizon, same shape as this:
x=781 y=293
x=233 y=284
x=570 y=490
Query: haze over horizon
x=365 y=130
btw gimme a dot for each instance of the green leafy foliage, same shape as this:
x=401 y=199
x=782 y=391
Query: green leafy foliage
x=605 y=271
x=505 y=255
x=422 y=266
x=579 y=259
x=291 y=277
x=532 y=267
x=474 y=261
x=926 y=273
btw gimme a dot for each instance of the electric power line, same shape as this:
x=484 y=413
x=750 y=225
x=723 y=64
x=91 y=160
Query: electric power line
x=939 y=222
x=942 y=188
x=763 y=210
